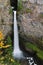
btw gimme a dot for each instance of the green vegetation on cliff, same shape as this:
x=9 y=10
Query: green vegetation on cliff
x=35 y=48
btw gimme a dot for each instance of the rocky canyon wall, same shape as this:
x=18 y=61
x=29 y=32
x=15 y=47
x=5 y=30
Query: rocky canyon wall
x=30 y=19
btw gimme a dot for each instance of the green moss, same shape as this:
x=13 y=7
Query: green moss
x=35 y=48
x=8 y=40
x=20 y=6
x=40 y=54
x=28 y=10
x=41 y=15
x=10 y=11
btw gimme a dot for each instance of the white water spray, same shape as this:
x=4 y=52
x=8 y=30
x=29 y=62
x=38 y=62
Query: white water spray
x=17 y=53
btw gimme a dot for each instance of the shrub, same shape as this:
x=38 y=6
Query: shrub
x=2 y=42
x=1 y=36
x=8 y=40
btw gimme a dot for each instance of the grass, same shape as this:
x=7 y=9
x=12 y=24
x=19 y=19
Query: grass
x=35 y=48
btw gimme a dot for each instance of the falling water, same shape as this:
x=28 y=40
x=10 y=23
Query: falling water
x=17 y=53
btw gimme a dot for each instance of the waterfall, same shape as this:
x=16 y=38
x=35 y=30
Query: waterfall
x=17 y=53
x=16 y=40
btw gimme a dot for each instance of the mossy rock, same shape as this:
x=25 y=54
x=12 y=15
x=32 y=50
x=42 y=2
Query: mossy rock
x=41 y=15
x=28 y=10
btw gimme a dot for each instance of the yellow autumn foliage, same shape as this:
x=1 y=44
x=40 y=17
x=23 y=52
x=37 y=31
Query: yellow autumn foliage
x=12 y=60
x=2 y=58
x=6 y=46
x=1 y=43
x=1 y=36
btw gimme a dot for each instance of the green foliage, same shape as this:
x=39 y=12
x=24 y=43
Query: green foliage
x=10 y=11
x=9 y=41
x=35 y=48
x=20 y=6
x=41 y=15
x=7 y=58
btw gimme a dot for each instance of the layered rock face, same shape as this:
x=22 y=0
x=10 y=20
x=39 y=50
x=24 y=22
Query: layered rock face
x=5 y=17
x=31 y=20
x=36 y=1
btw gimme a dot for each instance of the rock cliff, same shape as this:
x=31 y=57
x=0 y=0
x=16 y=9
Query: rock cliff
x=5 y=16
x=30 y=19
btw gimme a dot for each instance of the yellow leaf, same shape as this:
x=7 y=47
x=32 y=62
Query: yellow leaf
x=2 y=58
x=12 y=60
x=1 y=35
x=3 y=64
x=1 y=43
x=6 y=46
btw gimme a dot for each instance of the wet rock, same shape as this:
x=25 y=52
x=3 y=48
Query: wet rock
x=24 y=62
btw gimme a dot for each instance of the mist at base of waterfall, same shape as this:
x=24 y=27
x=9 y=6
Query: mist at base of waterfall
x=18 y=54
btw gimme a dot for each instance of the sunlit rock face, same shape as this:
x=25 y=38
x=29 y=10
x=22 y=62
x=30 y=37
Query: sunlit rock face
x=4 y=2
x=5 y=16
x=31 y=27
x=36 y=1
x=32 y=1
x=31 y=24
x=40 y=2
x=25 y=0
